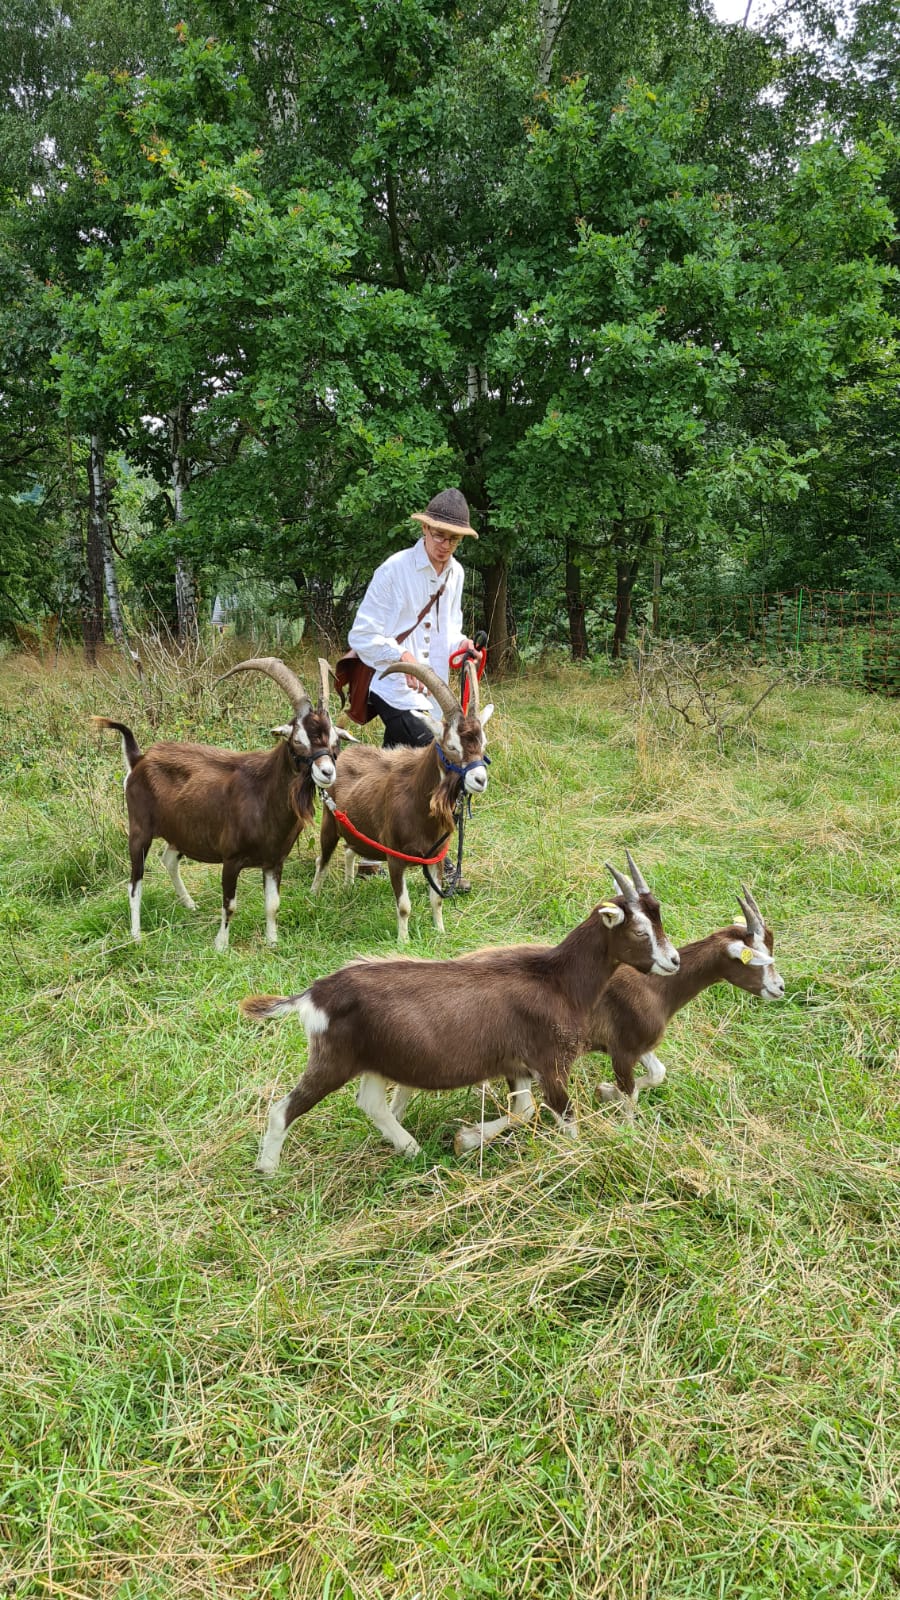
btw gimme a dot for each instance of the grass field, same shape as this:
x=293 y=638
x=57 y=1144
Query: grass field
x=660 y=1363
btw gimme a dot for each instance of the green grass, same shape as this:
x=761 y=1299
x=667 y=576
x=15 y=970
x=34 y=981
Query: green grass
x=662 y=1363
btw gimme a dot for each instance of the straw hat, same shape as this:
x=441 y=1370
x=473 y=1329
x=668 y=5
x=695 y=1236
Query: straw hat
x=448 y=512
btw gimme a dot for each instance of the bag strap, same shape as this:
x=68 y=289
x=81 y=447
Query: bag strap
x=424 y=611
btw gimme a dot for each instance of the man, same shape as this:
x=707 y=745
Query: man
x=400 y=590
x=416 y=595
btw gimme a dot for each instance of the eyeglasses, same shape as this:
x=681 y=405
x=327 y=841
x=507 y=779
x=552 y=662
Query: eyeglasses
x=452 y=539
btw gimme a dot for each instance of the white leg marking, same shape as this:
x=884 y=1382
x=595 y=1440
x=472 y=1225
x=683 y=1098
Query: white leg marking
x=400 y=1100
x=404 y=906
x=651 y=1078
x=654 y=1072
x=170 y=862
x=134 y=900
x=227 y=914
x=437 y=910
x=610 y=1092
x=349 y=866
x=275 y=1135
x=521 y=1109
x=320 y=875
x=372 y=1099
x=273 y=901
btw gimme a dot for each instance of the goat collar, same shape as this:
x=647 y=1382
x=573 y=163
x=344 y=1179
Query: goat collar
x=451 y=766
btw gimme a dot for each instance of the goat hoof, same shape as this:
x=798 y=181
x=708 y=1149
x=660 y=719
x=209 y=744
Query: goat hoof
x=266 y=1169
x=465 y=1139
x=411 y=1150
x=608 y=1092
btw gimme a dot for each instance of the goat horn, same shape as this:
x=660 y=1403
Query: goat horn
x=752 y=915
x=626 y=887
x=324 y=670
x=276 y=669
x=474 y=699
x=637 y=877
x=443 y=694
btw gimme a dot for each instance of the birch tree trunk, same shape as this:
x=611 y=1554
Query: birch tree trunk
x=92 y=589
x=185 y=586
x=99 y=516
x=550 y=23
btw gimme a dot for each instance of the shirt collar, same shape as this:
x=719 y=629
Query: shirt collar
x=422 y=561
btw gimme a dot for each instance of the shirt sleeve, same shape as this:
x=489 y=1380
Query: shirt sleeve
x=372 y=633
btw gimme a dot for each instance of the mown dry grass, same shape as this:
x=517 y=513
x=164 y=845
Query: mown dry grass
x=661 y=1363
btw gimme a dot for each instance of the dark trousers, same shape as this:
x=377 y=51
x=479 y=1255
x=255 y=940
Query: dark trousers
x=400 y=727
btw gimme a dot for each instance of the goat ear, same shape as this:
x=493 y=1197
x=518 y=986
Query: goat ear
x=485 y=715
x=343 y=733
x=284 y=731
x=434 y=723
x=611 y=916
x=747 y=955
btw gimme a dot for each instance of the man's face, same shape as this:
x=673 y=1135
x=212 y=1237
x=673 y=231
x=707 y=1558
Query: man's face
x=440 y=546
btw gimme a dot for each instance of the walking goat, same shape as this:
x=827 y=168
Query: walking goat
x=520 y=1012
x=630 y=1016
x=221 y=806
x=634 y=1009
x=402 y=800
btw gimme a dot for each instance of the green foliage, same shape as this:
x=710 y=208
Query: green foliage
x=367 y=251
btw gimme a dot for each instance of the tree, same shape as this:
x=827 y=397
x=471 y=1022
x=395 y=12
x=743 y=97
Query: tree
x=673 y=345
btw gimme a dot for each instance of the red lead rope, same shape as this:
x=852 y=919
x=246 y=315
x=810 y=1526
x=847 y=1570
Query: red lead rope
x=457 y=663
x=343 y=820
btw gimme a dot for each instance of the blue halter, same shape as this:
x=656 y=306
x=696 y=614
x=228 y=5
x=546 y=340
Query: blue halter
x=451 y=766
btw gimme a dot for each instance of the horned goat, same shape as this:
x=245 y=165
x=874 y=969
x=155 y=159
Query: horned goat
x=631 y=1013
x=403 y=799
x=521 y=1012
x=221 y=806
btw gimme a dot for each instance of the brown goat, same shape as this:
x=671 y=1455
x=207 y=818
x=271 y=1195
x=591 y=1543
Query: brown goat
x=635 y=1008
x=403 y=799
x=222 y=806
x=519 y=1012
x=631 y=1013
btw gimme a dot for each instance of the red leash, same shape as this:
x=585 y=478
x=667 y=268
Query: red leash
x=457 y=663
x=342 y=818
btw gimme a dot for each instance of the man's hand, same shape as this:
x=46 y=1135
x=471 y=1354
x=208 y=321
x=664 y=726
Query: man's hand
x=414 y=683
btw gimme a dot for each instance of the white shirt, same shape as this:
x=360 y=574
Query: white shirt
x=399 y=589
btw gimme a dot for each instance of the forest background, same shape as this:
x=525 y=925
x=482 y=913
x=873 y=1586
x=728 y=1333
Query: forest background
x=272 y=275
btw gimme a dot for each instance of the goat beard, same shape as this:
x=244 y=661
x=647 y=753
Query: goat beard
x=443 y=800
x=300 y=796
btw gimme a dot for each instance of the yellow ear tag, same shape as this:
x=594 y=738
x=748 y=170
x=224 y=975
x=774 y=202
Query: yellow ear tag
x=746 y=956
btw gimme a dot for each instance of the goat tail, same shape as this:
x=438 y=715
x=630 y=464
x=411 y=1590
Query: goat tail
x=258 y=1006
x=130 y=746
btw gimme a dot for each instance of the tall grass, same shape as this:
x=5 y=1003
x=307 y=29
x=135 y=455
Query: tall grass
x=660 y=1363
